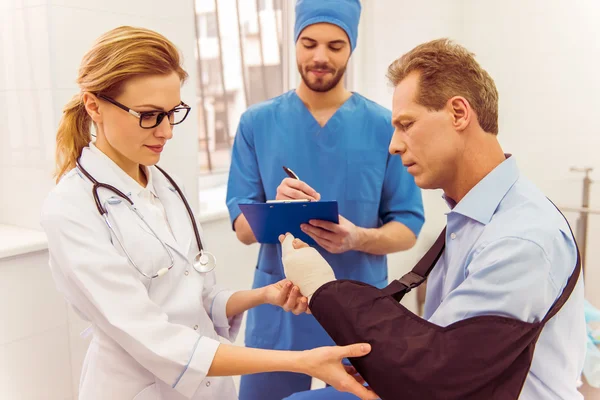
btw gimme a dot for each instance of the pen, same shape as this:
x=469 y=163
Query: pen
x=290 y=173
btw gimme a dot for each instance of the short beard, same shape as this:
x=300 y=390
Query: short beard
x=321 y=86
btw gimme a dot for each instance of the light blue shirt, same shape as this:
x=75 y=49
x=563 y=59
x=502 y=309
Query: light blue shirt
x=509 y=252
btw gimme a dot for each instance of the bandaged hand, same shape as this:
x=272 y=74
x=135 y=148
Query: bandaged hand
x=304 y=266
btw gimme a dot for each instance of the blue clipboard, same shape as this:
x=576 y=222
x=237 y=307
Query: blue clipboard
x=269 y=220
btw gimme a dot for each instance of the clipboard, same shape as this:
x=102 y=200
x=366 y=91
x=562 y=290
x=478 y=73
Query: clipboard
x=271 y=219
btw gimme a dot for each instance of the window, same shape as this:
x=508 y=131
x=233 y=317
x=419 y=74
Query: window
x=207 y=25
x=240 y=63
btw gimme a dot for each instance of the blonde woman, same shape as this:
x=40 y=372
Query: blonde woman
x=127 y=253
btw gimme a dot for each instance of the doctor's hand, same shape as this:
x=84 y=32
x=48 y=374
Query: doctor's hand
x=303 y=265
x=335 y=238
x=286 y=295
x=325 y=363
x=294 y=189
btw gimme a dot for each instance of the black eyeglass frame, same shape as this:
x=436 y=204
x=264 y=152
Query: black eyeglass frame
x=160 y=115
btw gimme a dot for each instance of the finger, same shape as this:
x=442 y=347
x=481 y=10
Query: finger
x=299 y=244
x=320 y=233
x=292 y=300
x=355 y=350
x=281 y=238
x=326 y=244
x=301 y=186
x=286 y=246
x=288 y=193
x=351 y=386
x=281 y=196
x=301 y=306
x=286 y=288
x=327 y=225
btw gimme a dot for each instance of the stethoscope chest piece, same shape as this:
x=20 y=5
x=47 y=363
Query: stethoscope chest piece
x=204 y=262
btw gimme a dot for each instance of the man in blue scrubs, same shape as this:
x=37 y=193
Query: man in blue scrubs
x=337 y=143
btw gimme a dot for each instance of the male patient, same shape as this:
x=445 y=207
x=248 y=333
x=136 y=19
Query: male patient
x=509 y=252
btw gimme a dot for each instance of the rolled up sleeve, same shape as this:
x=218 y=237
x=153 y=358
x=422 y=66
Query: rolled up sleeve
x=401 y=199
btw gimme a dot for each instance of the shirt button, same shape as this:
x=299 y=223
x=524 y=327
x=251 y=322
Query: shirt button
x=195 y=327
x=208 y=384
x=453 y=236
x=186 y=273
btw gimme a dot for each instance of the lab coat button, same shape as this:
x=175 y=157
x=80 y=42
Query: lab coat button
x=453 y=236
x=186 y=272
x=195 y=327
x=208 y=384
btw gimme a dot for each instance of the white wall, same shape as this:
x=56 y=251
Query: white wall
x=41 y=46
x=543 y=56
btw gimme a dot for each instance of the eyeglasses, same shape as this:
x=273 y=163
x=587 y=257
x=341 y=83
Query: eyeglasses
x=151 y=119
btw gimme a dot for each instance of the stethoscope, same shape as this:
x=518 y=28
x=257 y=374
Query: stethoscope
x=203 y=262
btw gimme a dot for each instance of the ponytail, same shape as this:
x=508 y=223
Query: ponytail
x=72 y=136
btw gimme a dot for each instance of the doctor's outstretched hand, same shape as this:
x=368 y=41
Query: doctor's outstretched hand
x=303 y=265
x=325 y=363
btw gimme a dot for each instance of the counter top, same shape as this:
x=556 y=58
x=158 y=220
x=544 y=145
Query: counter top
x=16 y=241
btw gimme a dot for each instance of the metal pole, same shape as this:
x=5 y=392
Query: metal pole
x=201 y=78
x=224 y=90
x=262 y=56
x=582 y=222
x=242 y=59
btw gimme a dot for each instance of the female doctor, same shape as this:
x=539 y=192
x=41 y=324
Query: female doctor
x=126 y=251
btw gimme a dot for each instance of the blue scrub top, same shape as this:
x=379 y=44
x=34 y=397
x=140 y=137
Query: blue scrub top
x=346 y=160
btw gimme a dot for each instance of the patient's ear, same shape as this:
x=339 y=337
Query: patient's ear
x=461 y=112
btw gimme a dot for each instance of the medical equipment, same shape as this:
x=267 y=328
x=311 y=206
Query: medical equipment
x=203 y=262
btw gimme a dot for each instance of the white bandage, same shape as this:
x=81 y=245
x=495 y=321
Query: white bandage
x=305 y=267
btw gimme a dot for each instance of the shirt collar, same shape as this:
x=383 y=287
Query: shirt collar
x=131 y=185
x=483 y=199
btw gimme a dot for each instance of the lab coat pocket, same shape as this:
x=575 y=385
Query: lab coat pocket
x=264 y=321
x=365 y=175
x=148 y=393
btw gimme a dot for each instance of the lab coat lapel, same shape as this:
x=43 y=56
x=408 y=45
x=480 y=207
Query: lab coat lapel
x=103 y=172
x=177 y=214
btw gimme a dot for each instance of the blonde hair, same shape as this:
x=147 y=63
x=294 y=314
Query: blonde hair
x=446 y=70
x=116 y=56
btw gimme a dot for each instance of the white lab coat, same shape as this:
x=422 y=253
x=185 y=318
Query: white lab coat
x=151 y=339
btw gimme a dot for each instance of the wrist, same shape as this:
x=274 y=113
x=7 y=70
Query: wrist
x=300 y=362
x=361 y=239
x=261 y=295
